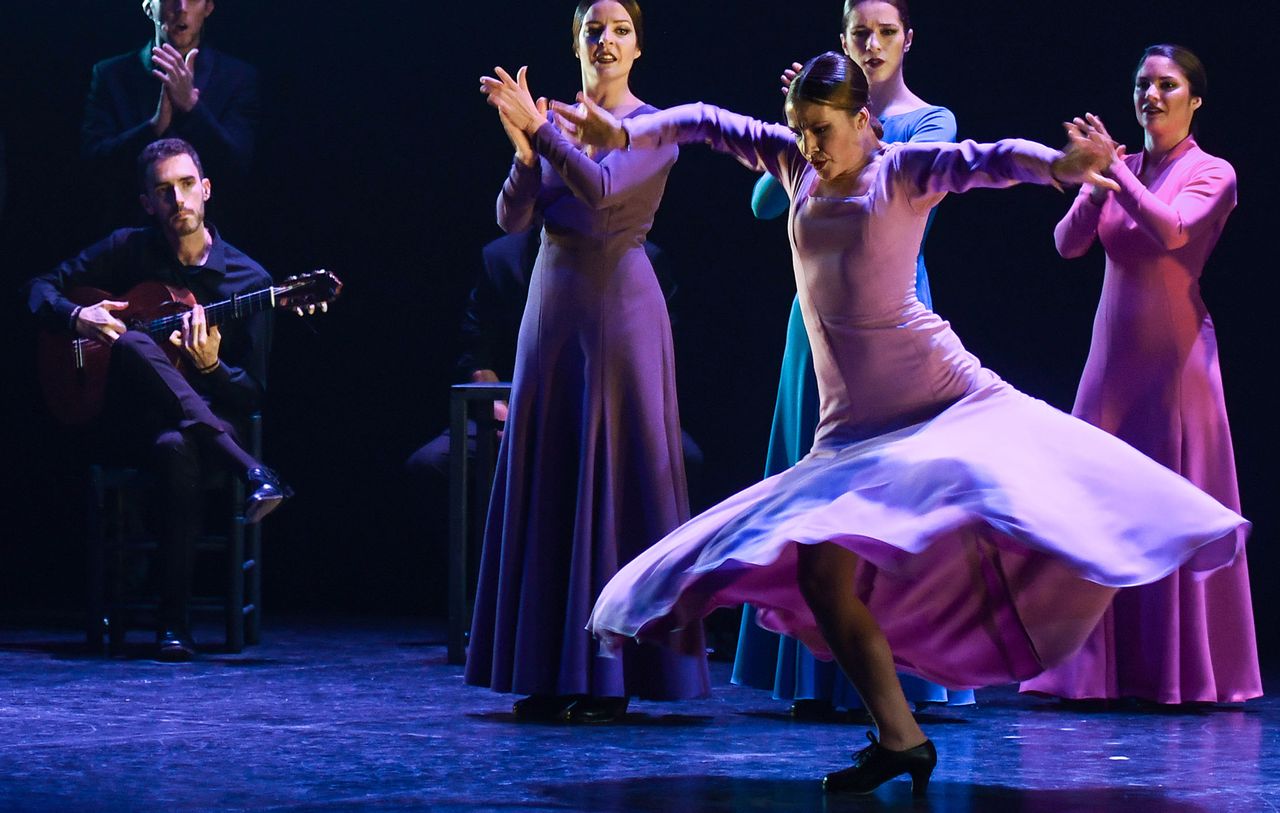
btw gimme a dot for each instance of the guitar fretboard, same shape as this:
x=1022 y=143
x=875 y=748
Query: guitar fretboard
x=218 y=313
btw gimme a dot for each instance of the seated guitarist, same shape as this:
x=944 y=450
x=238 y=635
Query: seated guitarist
x=180 y=423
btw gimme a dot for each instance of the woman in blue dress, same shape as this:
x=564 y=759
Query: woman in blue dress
x=877 y=34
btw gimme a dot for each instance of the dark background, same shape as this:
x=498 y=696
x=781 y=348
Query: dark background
x=378 y=160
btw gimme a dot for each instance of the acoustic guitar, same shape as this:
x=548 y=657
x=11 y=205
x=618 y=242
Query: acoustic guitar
x=73 y=369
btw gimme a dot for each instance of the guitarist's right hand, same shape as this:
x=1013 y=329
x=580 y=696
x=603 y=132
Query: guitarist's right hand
x=96 y=322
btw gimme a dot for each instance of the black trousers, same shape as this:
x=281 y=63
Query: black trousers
x=170 y=429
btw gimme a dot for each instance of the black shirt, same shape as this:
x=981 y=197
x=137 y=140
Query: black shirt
x=130 y=256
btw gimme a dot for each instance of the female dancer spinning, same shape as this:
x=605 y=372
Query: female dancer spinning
x=1152 y=380
x=590 y=471
x=877 y=35
x=978 y=531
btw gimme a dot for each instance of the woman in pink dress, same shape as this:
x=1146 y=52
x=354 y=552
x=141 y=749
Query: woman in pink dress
x=1152 y=379
x=944 y=524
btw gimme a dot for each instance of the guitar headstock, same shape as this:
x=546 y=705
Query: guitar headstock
x=309 y=292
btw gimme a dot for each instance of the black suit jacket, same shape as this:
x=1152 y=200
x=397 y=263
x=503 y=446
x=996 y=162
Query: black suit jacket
x=222 y=126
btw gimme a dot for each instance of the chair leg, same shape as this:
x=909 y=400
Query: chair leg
x=117 y=619
x=252 y=613
x=253 y=587
x=458 y=618
x=95 y=613
x=233 y=611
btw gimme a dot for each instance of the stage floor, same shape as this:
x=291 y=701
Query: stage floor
x=343 y=715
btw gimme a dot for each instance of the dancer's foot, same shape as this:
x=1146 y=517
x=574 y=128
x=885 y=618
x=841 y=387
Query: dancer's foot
x=542 y=708
x=875 y=765
x=591 y=709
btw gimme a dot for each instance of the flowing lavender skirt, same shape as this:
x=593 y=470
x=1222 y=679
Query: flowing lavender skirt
x=766 y=660
x=992 y=539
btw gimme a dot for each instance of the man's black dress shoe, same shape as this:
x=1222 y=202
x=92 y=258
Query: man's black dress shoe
x=591 y=709
x=542 y=708
x=268 y=492
x=875 y=765
x=175 y=646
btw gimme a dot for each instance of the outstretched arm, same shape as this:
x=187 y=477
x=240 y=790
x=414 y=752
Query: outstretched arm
x=929 y=171
x=602 y=184
x=756 y=144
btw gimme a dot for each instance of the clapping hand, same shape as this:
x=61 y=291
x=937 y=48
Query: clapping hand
x=520 y=115
x=591 y=124
x=1087 y=156
x=177 y=74
x=1092 y=128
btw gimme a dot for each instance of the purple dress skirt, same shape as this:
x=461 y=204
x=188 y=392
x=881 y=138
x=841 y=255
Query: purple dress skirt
x=1152 y=379
x=992 y=529
x=590 y=471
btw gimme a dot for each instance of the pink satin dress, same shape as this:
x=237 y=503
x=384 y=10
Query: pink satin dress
x=1152 y=379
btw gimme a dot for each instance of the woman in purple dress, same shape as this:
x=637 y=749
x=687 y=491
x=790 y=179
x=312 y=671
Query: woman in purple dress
x=590 y=471
x=944 y=523
x=1152 y=379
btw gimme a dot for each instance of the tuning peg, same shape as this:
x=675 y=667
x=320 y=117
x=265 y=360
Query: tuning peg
x=324 y=307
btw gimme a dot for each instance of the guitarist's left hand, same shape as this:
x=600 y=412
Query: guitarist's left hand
x=198 y=340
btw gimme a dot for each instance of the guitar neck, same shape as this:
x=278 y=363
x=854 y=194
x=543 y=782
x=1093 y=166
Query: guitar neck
x=218 y=313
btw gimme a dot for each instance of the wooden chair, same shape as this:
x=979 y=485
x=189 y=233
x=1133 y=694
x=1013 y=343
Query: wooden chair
x=118 y=536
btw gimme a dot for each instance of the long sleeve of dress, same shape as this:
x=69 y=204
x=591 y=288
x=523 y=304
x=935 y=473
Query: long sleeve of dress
x=1203 y=201
x=758 y=145
x=518 y=196
x=930 y=170
x=1078 y=228
x=599 y=185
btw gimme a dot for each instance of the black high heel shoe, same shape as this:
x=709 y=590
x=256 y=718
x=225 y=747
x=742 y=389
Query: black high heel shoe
x=592 y=709
x=542 y=708
x=875 y=765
